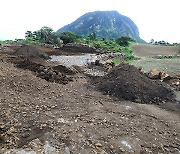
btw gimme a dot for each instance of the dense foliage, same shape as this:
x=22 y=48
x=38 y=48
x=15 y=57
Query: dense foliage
x=48 y=36
x=124 y=41
x=44 y=35
x=69 y=37
x=111 y=45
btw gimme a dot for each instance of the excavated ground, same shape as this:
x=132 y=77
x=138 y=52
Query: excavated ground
x=49 y=117
x=128 y=82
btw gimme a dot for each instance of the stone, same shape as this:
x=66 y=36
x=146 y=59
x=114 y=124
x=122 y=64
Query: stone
x=154 y=74
x=98 y=145
x=164 y=76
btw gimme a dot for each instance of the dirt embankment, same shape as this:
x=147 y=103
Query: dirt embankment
x=30 y=52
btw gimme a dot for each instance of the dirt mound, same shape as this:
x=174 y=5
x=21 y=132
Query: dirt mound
x=127 y=82
x=82 y=48
x=48 y=73
x=30 y=51
x=64 y=69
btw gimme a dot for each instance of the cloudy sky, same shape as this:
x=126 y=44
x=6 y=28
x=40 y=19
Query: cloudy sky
x=157 y=19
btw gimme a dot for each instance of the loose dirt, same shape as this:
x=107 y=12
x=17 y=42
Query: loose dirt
x=127 y=82
x=47 y=117
x=30 y=51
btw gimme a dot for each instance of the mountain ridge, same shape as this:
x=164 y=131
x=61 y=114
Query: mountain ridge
x=106 y=24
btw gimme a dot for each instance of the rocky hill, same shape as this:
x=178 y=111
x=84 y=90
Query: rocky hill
x=106 y=24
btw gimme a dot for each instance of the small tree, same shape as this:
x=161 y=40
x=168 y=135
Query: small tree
x=68 y=37
x=44 y=35
x=28 y=34
x=124 y=40
x=151 y=41
x=92 y=36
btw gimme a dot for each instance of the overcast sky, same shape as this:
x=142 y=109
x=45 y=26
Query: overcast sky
x=157 y=19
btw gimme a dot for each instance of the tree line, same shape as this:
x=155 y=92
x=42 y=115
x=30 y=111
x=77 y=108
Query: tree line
x=47 y=35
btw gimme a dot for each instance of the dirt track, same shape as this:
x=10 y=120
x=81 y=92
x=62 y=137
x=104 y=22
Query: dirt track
x=77 y=118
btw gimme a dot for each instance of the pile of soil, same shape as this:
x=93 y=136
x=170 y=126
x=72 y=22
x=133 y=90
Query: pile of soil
x=51 y=74
x=30 y=51
x=78 y=48
x=128 y=82
x=64 y=69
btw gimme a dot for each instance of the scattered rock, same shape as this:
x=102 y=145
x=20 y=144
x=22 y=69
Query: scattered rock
x=164 y=76
x=98 y=145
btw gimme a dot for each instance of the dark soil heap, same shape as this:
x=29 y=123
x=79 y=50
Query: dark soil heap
x=48 y=73
x=30 y=51
x=64 y=69
x=127 y=82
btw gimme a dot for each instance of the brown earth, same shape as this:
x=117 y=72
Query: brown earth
x=76 y=118
x=128 y=82
x=30 y=51
x=143 y=50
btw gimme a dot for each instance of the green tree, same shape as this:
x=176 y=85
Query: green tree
x=124 y=40
x=44 y=35
x=151 y=41
x=92 y=36
x=28 y=34
x=68 y=37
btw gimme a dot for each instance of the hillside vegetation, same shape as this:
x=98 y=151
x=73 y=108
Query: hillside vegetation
x=106 y=24
x=48 y=36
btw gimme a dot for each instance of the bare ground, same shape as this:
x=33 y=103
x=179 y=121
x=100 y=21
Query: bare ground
x=148 y=60
x=76 y=118
x=143 y=50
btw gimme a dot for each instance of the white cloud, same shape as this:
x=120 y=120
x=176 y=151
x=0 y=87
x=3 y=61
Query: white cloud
x=158 y=19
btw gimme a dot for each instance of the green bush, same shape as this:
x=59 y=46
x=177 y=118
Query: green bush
x=124 y=41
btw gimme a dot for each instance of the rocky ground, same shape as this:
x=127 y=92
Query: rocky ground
x=45 y=116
